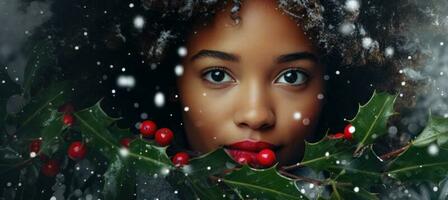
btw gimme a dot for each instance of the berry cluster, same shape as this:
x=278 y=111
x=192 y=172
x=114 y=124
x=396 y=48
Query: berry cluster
x=76 y=151
x=349 y=130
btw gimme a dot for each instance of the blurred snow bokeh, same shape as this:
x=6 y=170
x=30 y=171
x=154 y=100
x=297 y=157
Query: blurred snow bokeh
x=17 y=24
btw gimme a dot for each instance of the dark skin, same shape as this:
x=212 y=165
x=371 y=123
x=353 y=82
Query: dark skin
x=257 y=80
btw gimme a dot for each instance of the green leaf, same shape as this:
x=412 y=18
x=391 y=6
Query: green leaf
x=7 y=89
x=150 y=158
x=41 y=57
x=341 y=192
x=94 y=123
x=42 y=110
x=52 y=134
x=326 y=153
x=261 y=184
x=371 y=120
x=420 y=163
x=8 y=159
x=119 y=180
x=210 y=164
x=435 y=130
x=363 y=171
x=197 y=173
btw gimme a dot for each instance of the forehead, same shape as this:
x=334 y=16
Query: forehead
x=263 y=26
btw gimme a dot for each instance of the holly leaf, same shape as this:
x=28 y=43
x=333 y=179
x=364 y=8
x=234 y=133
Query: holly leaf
x=371 y=120
x=210 y=164
x=150 y=158
x=435 y=130
x=326 y=154
x=341 y=192
x=196 y=175
x=41 y=57
x=42 y=110
x=7 y=89
x=420 y=163
x=119 y=180
x=94 y=123
x=363 y=171
x=261 y=184
x=51 y=133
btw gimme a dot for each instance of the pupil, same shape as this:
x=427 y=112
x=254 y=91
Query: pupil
x=291 y=77
x=217 y=75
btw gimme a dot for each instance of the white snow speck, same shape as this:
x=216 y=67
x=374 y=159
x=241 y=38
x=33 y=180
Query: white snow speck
x=126 y=81
x=179 y=70
x=337 y=72
x=367 y=42
x=347 y=28
x=113 y=91
x=352 y=5
x=32 y=154
x=320 y=96
x=297 y=115
x=139 y=22
x=306 y=121
x=433 y=150
x=131 y=5
x=76 y=48
x=53 y=198
x=124 y=152
x=327 y=154
x=389 y=51
x=435 y=189
x=356 y=189
x=182 y=51
x=159 y=99
x=144 y=116
x=186 y=108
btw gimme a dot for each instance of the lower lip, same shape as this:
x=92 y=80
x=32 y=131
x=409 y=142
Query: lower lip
x=239 y=155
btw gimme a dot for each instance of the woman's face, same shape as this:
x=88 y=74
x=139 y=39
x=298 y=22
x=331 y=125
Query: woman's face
x=259 y=80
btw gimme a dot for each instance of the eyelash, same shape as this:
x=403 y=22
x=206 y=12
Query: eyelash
x=227 y=72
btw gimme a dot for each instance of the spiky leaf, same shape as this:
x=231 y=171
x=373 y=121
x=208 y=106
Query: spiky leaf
x=371 y=119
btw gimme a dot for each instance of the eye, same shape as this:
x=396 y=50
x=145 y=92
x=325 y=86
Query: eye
x=217 y=75
x=293 y=77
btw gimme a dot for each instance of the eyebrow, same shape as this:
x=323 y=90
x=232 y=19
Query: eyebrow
x=231 y=57
x=215 y=54
x=297 y=56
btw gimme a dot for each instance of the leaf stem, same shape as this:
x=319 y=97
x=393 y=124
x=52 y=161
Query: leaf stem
x=291 y=167
x=395 y=153
x=303 y=178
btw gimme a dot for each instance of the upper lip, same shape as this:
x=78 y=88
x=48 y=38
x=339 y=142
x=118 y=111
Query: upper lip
x=254 y=146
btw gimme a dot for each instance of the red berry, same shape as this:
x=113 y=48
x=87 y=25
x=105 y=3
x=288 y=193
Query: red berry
x=266 y=158
x=336 y=136
x=180 y=159
x=35 y=145
x=348 y=131
x=244 y=159
x=66 y=108
x=68 y=119
x=147 y=128
x=125 y=142
x=164 y=136
x=50 y=168
x=77 y=150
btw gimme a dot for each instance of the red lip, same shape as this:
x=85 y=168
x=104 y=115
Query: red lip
x=252 y=146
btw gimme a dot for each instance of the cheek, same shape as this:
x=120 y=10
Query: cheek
x=205 y=121
x=297 y=118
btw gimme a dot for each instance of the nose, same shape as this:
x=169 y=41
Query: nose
x=254 y=109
